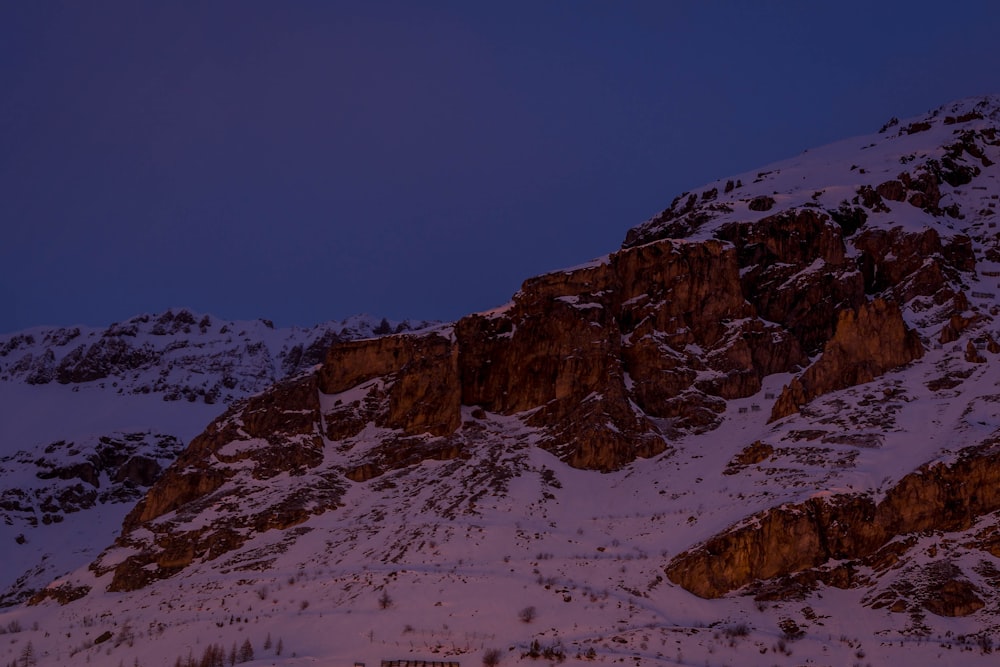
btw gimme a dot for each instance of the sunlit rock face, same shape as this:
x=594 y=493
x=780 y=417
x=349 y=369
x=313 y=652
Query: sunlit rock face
x=791 y=542
x=866 y=343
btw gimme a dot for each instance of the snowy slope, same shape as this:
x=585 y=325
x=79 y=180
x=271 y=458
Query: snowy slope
x=88 y=411
x=505 y=547
x=829 y=178
x=178 y=354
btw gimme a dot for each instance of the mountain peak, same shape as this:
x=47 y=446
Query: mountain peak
x=923 y=161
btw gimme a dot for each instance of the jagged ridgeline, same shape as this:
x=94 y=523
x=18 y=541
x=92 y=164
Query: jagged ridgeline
x=178 y=354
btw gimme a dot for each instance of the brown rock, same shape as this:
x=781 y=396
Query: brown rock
x=955 y=597
x=793 y=538
x=139 y=470
x=896 y=261
x=396 y=453
x=958 y=253
x=276 y=432
x=285 y=416
x=796 y=273
x=422 y=371
x=926 y=193
x=174 y=489
x=868 y=343
x=753 y=453
x=972 y=354
x=871 y=199
x=657 y=314
x=63 y=594
x=892 y=190
x=545 y=349
x=954 y=328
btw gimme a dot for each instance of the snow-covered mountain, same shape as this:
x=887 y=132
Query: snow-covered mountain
x=178 y=354
x=764 y=431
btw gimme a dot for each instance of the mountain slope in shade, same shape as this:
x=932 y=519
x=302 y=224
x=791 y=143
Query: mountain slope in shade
x=763 y=432
x=178 y=354
x=94 y=416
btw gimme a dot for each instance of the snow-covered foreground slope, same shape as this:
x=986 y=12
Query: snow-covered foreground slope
x=459 y=552
x=374 y=511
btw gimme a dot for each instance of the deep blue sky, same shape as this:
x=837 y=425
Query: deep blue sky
x=303 y=161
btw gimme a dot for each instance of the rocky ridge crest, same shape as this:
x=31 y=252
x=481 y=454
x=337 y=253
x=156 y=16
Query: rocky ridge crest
x=179 y=354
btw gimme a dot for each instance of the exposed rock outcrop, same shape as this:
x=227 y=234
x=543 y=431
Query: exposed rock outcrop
x=420 y=372
x=867 y=343
x=795 y=271
x=653 y=327
x=71 y=476
x=272 y=434
x=952 y=597
x=582 y=347
x=895 y=263
x=793 y=538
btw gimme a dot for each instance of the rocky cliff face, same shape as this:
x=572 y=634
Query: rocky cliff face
x=656 y=333
x=833 y=274
x=270 y=435
x=866 y=343
x=845 y=530
x=420 y=374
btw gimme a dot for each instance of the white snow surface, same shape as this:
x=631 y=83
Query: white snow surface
x=823 y=178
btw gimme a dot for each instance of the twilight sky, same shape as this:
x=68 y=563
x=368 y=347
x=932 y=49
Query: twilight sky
x=309 y=160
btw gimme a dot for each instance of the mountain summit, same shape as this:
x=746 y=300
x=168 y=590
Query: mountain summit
x=772 y=412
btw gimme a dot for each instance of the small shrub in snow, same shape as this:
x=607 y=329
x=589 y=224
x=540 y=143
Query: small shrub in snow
x=739 y=630
x=491 y=657
x=13 y=627
x=527 y=615
x=554 y=652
